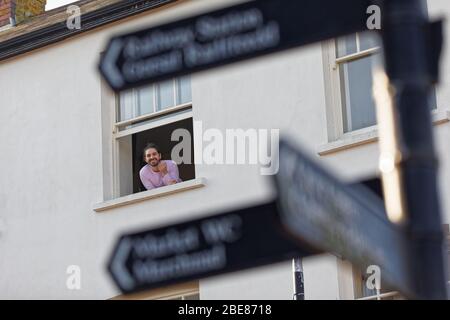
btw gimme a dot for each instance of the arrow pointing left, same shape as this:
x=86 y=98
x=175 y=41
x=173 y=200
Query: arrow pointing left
x=118 y=265
x=109 y=67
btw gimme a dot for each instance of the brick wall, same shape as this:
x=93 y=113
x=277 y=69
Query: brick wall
x=29 y=8
x=7 y=8
x=20 y=10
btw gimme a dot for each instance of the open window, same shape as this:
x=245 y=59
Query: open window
x=150 y=115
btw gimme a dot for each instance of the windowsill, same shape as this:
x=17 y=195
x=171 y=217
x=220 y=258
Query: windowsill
x=150 y=194
x=369 y=135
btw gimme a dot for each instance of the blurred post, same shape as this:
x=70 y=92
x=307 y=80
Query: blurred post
x=299 y=288
x=408 y=159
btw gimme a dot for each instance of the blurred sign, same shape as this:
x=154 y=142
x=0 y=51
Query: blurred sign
x=204 y=247
x=347 y=220
x=224 y=36
x=314 y=213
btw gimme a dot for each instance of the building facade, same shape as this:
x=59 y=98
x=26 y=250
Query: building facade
x=70 y=148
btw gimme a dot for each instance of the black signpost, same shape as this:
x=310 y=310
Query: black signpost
x=314 y=212
x=412 y=48
x=204 y=247
x=232 y=34
x=347 y=220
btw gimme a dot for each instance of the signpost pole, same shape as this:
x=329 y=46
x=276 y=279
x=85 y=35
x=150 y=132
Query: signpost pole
x=411 y=52
x=299 y=285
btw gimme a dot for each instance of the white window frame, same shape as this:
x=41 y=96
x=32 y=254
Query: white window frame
x=340 y=61
x=337 y=140
x=153 y=124
x=335 y=108
x=156 y=119
x=156 y=92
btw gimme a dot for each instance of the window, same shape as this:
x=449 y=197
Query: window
x=355 y=56
x=137 y=103
x=354 y=63
x=350 y=105
x=150 y=114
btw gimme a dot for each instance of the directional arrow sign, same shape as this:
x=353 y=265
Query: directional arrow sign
x=200 y=248
x=346 y=220
x=227 y=35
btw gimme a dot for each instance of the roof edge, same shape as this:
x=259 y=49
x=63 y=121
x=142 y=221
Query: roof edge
x=91 y=20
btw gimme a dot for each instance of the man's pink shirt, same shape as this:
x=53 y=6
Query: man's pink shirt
x=151 y=179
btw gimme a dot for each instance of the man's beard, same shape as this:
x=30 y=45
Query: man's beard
x=154 y=165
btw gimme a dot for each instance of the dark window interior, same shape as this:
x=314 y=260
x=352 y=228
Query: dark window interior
x=161 y=136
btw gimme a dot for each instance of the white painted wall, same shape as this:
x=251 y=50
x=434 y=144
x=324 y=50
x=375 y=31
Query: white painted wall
x=52 y=164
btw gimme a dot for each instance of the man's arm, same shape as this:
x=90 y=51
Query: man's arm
x=172 y=175
x=146 y=182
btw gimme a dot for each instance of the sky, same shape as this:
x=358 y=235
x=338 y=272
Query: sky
x=51 y=4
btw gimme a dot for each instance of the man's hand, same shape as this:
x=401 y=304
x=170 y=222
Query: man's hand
x=162 y=167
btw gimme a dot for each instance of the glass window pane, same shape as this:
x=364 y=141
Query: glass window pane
x=184 y=90
x=126 y=105
x=357 y=102
x=368 y=40
x=165 y=95
x=145 y=100
x=346 y=45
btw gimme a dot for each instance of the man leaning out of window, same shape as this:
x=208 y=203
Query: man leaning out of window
x=157 y=173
